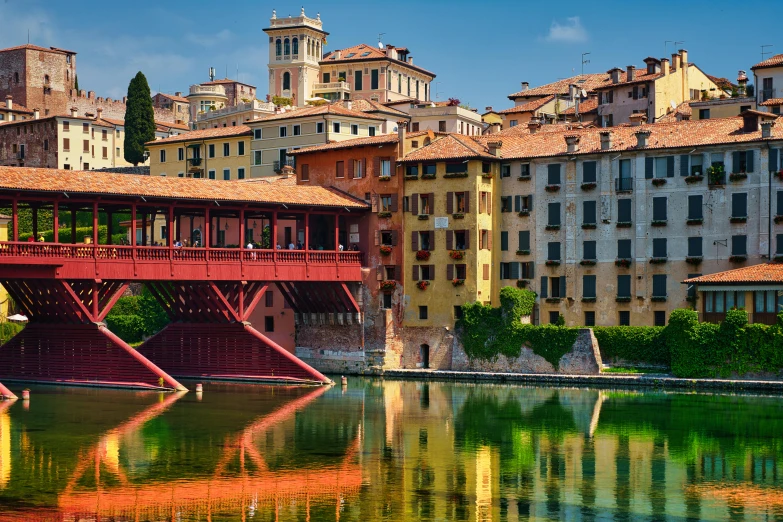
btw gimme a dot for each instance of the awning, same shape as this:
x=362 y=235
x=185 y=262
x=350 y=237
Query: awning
x=738 y=288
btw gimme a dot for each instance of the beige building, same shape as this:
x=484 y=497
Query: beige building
x=441 y=117
x=10 y=111
x=605 y=224
x=176 y=103
x=232 y=116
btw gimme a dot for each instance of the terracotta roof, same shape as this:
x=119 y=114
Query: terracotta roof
x=91 y=182
x=372 y=106
x=772 y=102
x=99 y=123
x=31 y=47
x=451 y=146
x=170 y=125
x=384 y=139
x=775 y=61
x=332 y=108
x=589 y=105
x=722 y=83
x=402 y=101
x=173 y=97
x=16 y=107
x=363 y=52
x=530 y=106
x=225 y=81
x=206 y=134
x=759 y=274
x=271 y=180
x=683 y=110
x=587 y=82
x=687 y=133
x=524 y=130
x=639 y=76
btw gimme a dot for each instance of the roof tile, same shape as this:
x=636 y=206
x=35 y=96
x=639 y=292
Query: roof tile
x=762 y=273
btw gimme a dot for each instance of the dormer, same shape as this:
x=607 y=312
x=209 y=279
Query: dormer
x=615 y=74
x=653 y=65
x=751 y=120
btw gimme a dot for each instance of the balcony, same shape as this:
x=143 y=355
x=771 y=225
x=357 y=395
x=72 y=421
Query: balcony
x=336 y=87
x=208 y=90
x=194 y=162
x=252 y=106
x=767 y=94
x=623 y=184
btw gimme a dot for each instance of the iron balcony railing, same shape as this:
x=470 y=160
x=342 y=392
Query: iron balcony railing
x=623 y=184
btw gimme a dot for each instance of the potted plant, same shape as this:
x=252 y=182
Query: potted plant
x=430 y=176
x=388 y=285
x=589 y=226
x=552 y=262
x=622 y=262
x=384 y=214
x=716 y=174
x=524 y=178
x=524 y=213
x=384 y=178
x=658 y=298
x=587 y=262
x=457 y=254
x=659 y=182
x=624 y=224
x=589 y=186
x=422 y=285
x=738 y=259
x=694 y=178
x=738 y=176
x=552 y=299
x=457 y=282
x=658 y=260
x=458 y=215
x=623 y=299
x=738 y=219
x=552 y=188
x=658 y=223
x=778 y=219
x=424 y=217
x=694 y=221
x=588 y=299
x=386 y=250
x=693 y=260
x=422 y=255
x=552 y=227
x=523 y=252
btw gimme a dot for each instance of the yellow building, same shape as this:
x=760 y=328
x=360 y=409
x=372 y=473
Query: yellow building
x=222 y=153
x=721 y=107
x=451 y=210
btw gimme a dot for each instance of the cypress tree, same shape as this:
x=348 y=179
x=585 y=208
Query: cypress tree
x=76 y=84
x=139 y=119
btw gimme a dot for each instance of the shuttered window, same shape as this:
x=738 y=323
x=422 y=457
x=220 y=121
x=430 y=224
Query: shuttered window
x=695 y=246
x=624 y=210
x=659 y=285
x=624 y=249
x=739 y=204
x=589 y=215
x=553 y=174
x=524 y=240
x=624 y=285
x=659 y=209
x=589 y=169
x=659 y=247
x=739 y=245
x=554 y=214
x=504 y=240
x=588 y=286
x=695 y=207
x=553 y=251
x=588 y=250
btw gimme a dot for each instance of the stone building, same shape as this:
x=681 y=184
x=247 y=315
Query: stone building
x=10 y=111
x=176 y=103
x=37 y=77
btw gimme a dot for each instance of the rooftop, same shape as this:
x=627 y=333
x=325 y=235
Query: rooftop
x=588 y=82
x=586 y=106
x=383 y=139
x=775 y=61
x=331 y=108
x=364 y=52
x=758 y=274
x=31 y=47
x=16 y=107
x=530 y=106
x=101 y=183
x=174 y=97
x=220 y=132
x=226 y=81
x=450 y=147
x=772 y=102
x=372 y=106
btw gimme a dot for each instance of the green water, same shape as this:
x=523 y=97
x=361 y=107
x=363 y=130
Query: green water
x=390 y=450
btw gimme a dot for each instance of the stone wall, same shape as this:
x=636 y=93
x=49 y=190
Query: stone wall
x=86 y=102
x=438 y=341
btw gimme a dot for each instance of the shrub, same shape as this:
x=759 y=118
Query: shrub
x=129 y=328
x=9 y=329
x=64 y=236
x=637 y=344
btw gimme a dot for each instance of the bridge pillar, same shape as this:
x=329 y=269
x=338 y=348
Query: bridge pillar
x=66 y=340
x=5 y=393
x=210 y=336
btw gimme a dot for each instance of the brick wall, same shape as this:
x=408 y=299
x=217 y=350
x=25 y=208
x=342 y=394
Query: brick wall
x=86 y=102
x=34 y=135
x=45 y=79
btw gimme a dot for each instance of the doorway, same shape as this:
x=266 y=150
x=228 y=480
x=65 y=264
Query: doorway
x=424 y=355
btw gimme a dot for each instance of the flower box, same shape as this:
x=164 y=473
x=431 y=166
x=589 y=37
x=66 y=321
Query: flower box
x=552 y=262
x=486 y=175
x=429 y=176
x=738 y=176
x=624 y=224
x=552 y=188
x=658 y=299
x=523 y=252
x=411 y=177
x=739 y=219
x=657 y=182
x=457 y=282
x=424 y=217
x=658 y=223
x=386 y=250
x=779 y=174
x=589 y=226
x=623 y=299
x=524 y=178
x=658 y=260
x=778 y=219
x=422 y=255
x=384 y=178
x=455 y=175
x=457 y=254
x=738 y=259
x=524 y=213
x=552 y=227
x=697 y=221
x=388 y=285
x=521 y=283
x=384 y=214
x=589 y=186
x=458 y=215
x=623 y=263
x=552 y=299
x=696 y=178
x=694 y=260
x=716 y=174
x=587 y=262
x=588 y=299
x=422 y=285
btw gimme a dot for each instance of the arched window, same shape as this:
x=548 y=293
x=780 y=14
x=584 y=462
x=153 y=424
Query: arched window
x=286 y=81
x=309 y=48
x=46 y=78
x=295 y=46
x=278 y=47
x=16 y=77
x=287 y=46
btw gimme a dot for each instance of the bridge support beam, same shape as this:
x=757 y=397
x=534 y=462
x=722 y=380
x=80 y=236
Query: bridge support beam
x=5 y=393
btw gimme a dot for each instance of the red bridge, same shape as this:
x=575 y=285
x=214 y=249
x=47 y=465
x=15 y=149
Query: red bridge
x=188 y=251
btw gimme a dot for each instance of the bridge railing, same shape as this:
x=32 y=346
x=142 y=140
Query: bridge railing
x=182 y=254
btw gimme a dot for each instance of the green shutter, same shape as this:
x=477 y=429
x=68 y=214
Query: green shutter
x=685 y=165
x=649 y=165
x=773 y=160
x=749 y=160
x=504 y=241
x=543 y=290
x=670 y=166
x=514 y=270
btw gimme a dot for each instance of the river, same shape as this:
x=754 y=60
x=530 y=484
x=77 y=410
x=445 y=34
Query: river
x=389 y=450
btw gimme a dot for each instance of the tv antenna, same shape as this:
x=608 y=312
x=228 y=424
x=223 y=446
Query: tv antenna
x=211 y=74
x=380 y=43
x=763 y=52
x=675 y=42
x=584 y=62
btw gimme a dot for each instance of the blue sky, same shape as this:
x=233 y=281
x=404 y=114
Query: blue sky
x=480 y=51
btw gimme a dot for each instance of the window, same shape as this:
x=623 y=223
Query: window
x=659 y=285
x=257 y=134
x=46 y=145
x=589 y=169
x=412 y=170
x=86 y=146
x=659 y=247
x=355 y=129
x=764 y=302
x=513 y=123
x=66 y=144
x=505 y=171
x=283 y=132
x=485 y=240
x=269 y=323
x=553 y=251
x=505 y=203
x=424 y=203
x=180 y=154
x=339 y=169
x=336 y=127
x=659 y=209
x=695 y=207
x=269 y=298
x=371 y=130
x=278 y=47
x=589 y=318
x=624 y=210
x=226 y=174
x=742 y=161
x=286 y=81
x=385 y=167
x=779 y=244
x=624 y=318
x=456 y=168
x=504 y=240
x=557 y=286
x=105 y=152
x=486 y=168
x=163 y=156
x=373 y=78
x=704 y=114
x=460 y=239
x=664 y=167
x=211 y=153
x=241 y=148
x=104 y=135
x=553 y=174
x=212 y=174
x=241 y=172
x=659 y=318
x=357 y=168
x=588 y=250
x=588 y=286
x=524 y=170
x=527 y=270
x=623 y=249
x=554 y=317
x=386 y=237
x=430 y=169
x=624 y=286
x=357 y=83
x=319 y=127
x=424 y=239
x=505 y=270
x=589 y=213
x=524 y=240
x=739 y=245
x=257 y=157
x=85 y=128
x=625 y=181
x=427 y=272
x=696 y=162
x=386 y=303
x=739 y=205
x=423 y=312
x=554 y=214
x=295 y=45
x=66 y=126
x=386 y=202
x=458 y=312
x=695 y=246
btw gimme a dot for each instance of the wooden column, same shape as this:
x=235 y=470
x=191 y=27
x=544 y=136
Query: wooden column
x=35 y=223
x=307 y=232
x=170 y=227
x=95 y=223
x=73 y=224
x=206 y=235
x=109 y=227
x=133 y=226
x=144 y=228
x=56 y=222
x=15 y=219
x=337 y=232
x=242 y=227
x=178 y=223
x=153 y=217
x=274 y=231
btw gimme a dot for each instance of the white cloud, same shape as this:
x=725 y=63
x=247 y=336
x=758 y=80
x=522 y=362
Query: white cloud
x=571 y=31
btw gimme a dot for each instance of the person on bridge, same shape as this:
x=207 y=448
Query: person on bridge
x=291 y=246
x=340 y=247
x=250 y=247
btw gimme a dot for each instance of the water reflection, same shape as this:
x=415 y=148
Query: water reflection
x=388 y=450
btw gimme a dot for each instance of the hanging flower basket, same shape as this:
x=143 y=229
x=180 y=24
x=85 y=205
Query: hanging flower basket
x=458 y=215
x=623 y=299
x=422 y=285
x=658 y=260
x=457 y=282
x=658 y=223
x=523 y=252
x=694 y=260
x=589 y=186
x=624 y=224
x=384 y=214
x=386 y=250
x=388 y=285
x=696 y=178
x=422 y=255
x=659 y=182
x=552 y=299
x=552 y=188
x=428 y=176
x=589 y=226
x=457 y=254
x=779 y=174
x=486 y=175
x=384 y=178
x=553 y=227
x=623 y=263
x=778 y=219
x=524 y=178
x=424 y=217
x=587 y=262
x=738 y=176
x=658 y=299
x=521 y=283
x=524 y=213
x=552 y=262
x=696 y=221
x=739 y=219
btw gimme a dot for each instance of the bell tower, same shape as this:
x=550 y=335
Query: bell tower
x=295 y=48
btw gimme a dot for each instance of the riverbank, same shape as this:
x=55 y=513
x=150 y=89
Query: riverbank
x=595 y=381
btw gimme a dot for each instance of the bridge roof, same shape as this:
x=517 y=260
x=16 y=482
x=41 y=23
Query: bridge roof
x=27 y=179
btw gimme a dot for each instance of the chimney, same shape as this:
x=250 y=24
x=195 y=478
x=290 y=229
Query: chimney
x=615 y=73
x=9 y=103
x=606 y=140
x=665 y=66
x=572 y=91
x=675 y=61
x=638 y=118
x=533 y=125
x=641 y=138
x=36 y=113
x=487 y=109
x=99 y=112
x=349 y=105
x=337 y=54
x=766 y=128
x=630 y=73
x=572 y=143
x=410 y=60
x=525 y=86
x=402 y=127
x=178 y=93
x=683 y=58
x=74 y=112
x=494 y=128
x=494 y=147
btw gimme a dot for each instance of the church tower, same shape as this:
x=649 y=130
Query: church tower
x=295 y=48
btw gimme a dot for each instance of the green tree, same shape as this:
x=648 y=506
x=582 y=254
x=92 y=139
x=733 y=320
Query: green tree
x=139 y=119
x=76 y=83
